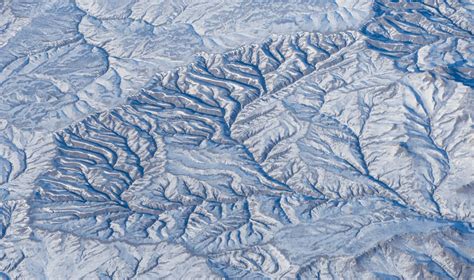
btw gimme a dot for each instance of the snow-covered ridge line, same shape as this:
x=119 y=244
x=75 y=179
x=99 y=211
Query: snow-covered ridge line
x=193 y=106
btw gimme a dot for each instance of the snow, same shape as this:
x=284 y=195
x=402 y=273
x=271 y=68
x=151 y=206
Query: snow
x=236 y=139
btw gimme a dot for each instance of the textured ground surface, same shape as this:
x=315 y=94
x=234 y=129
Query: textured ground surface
x=236 y=139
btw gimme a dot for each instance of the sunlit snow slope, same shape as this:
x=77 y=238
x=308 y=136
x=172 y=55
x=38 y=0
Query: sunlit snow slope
x=237 y=139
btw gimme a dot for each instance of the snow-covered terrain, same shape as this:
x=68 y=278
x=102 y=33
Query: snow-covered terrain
x=247 y=139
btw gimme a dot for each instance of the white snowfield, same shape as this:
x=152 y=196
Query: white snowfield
x=242 y=139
